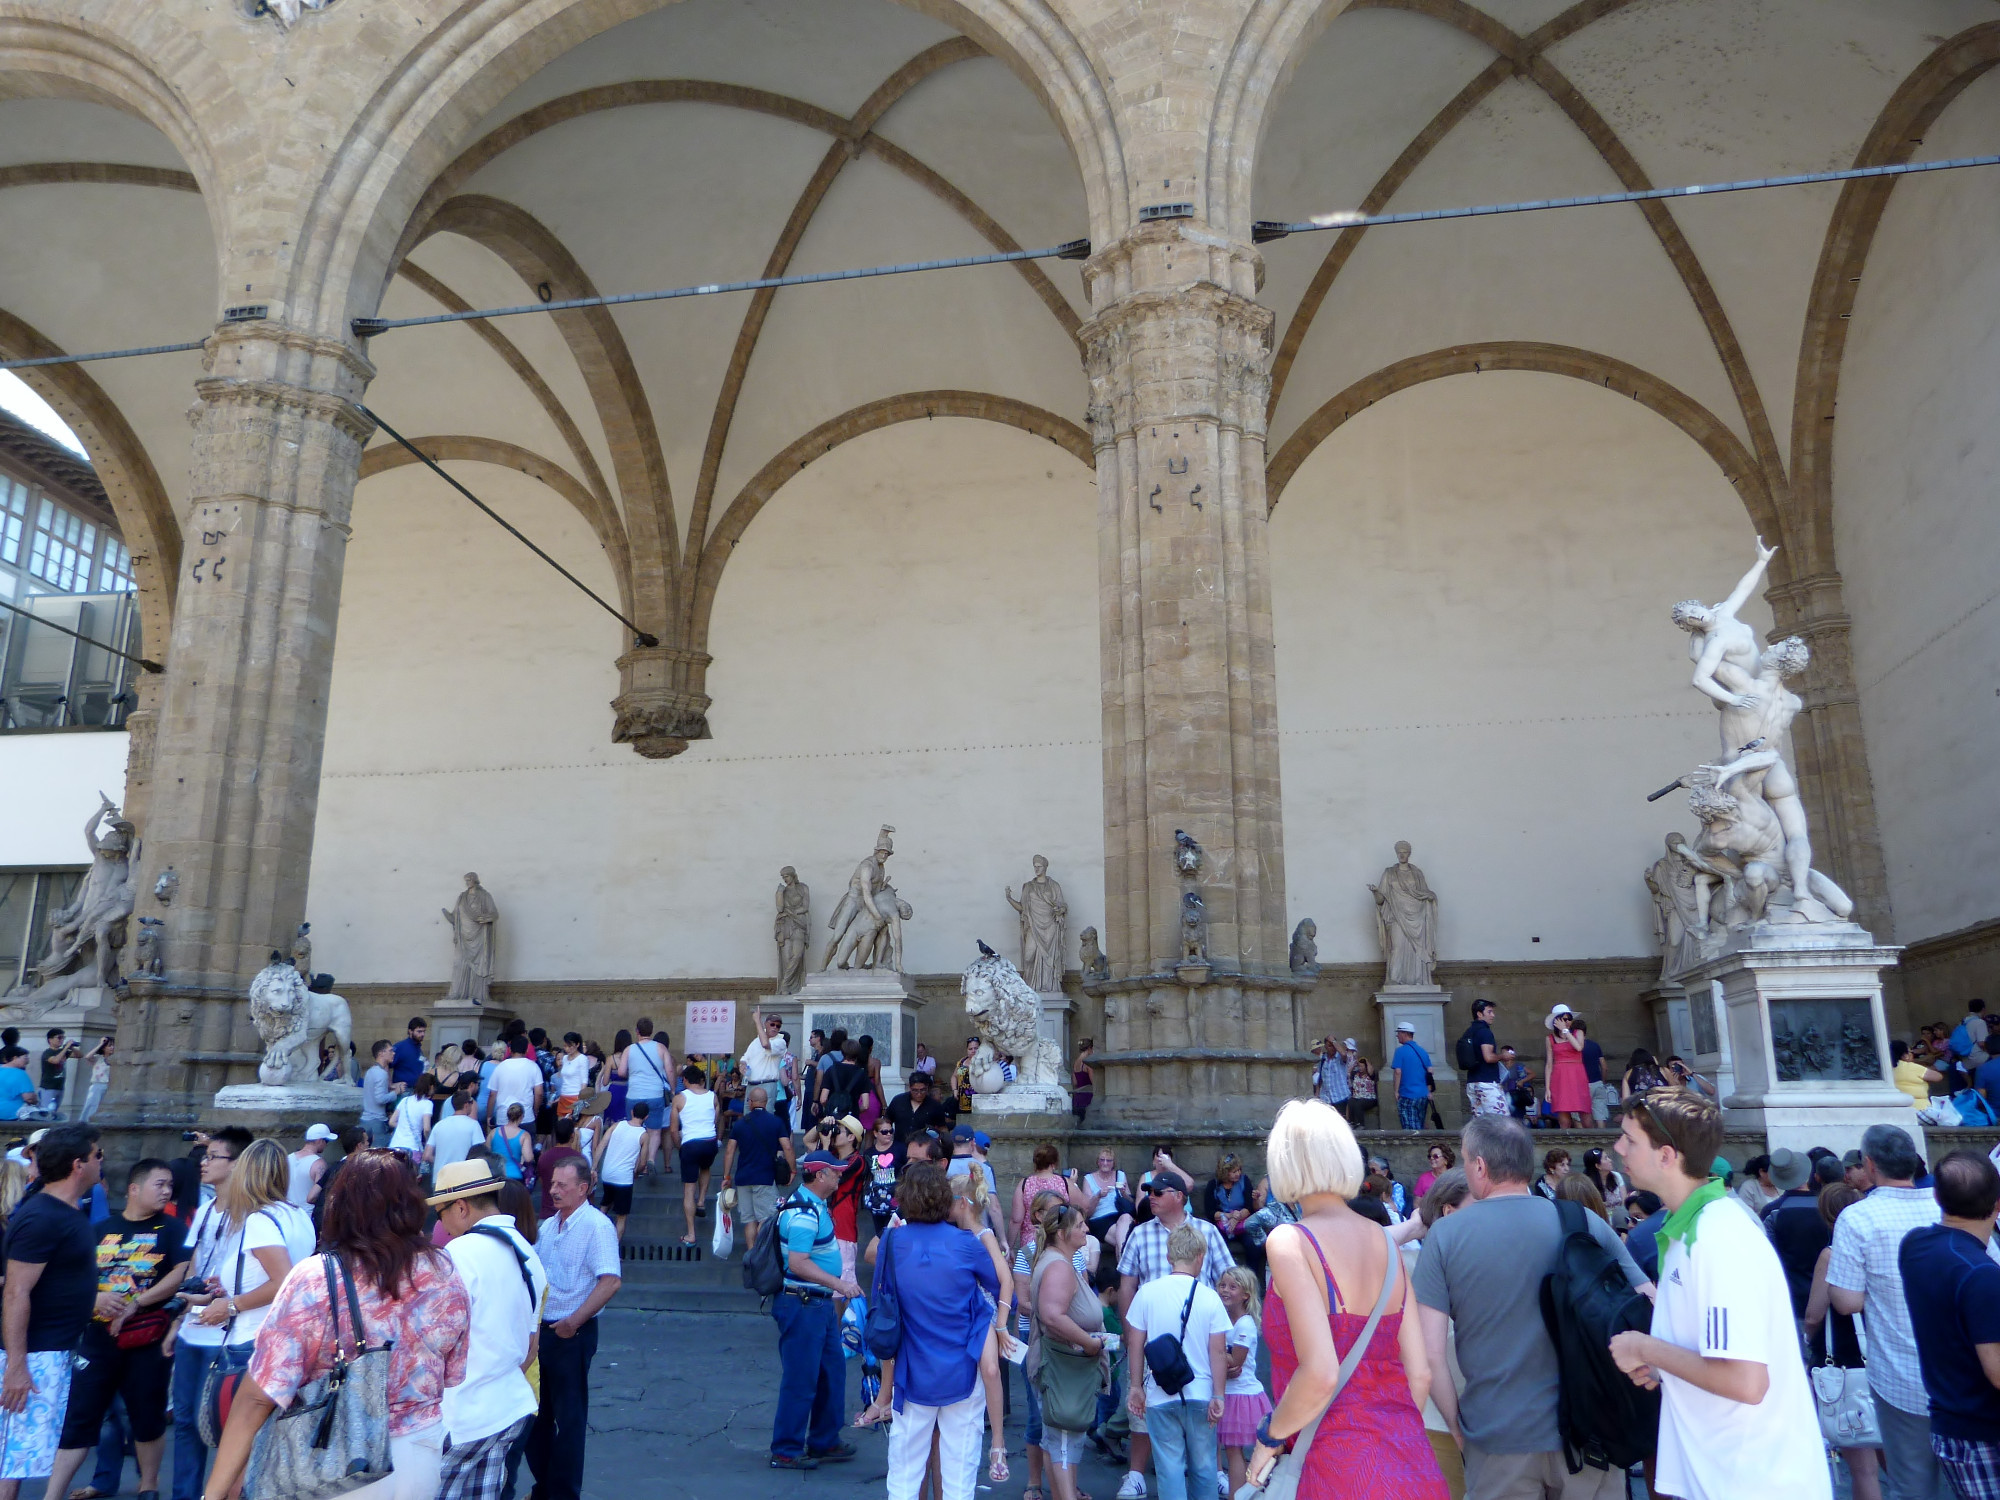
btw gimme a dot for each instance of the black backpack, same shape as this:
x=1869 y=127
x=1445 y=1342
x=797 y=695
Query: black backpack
x=764 y=1262
x=844 y=1082
x=1469 y=1052
x=1606 y=1420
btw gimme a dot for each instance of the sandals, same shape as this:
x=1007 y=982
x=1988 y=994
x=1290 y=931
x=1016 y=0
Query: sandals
x=1033 y=1492
x=996 y=1465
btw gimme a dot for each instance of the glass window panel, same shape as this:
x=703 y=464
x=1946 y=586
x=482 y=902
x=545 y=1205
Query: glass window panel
x=17 y=904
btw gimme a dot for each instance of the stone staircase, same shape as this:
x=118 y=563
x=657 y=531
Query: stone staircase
x=661 y=1274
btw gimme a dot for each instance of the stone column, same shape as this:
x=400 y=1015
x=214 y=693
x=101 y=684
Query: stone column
x=1178 y=357
x=1830 y=752
x=242 y=720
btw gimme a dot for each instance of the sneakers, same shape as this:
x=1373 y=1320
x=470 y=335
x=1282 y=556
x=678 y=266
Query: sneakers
x=1222 y=1485
x=838 y=1453
x=787 y=1461
x=1134 y=1487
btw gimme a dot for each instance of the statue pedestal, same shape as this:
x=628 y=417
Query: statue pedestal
x=1057 y=1009
x=335 y=1103
x=455 y=1020
x=1421 y=1006
x=1805 y=1034
x=865 y=1002
x=1023 y=1099
x=1687 y=1020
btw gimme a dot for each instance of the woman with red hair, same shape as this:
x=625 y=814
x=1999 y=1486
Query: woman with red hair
x=411 y=1299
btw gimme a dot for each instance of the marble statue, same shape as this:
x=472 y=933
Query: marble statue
x=165 y=887
x=1006 y=1012
x=792 y=930
x=1681 y=883
x=875 y=942
x=1042 y=911
x=1406 y=921
x=151 y=946
x=1194 y=928
x=302 y=952
x=1305 y=948
x=1096 y=967
x=859 y=906
x=1717 y=637
x=473 y=922
x=85 y=936
x=291 y=1019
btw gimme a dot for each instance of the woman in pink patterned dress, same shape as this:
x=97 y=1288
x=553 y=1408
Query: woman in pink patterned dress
x=411 y=1298
x=1326 y=1274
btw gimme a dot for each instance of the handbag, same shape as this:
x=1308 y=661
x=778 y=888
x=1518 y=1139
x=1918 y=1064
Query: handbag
x=1068 y=1383
x=231 y=1363
x=1282 y=1482
x=334 y=1437
x=1845 y=1404
x=1166 y=1359
x=882 y=1334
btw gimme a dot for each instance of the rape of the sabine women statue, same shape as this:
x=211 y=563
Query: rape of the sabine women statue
x=1753 y=857
x=1406 y=915
x=85 y=936
x=867 y=925
x=1042 y=910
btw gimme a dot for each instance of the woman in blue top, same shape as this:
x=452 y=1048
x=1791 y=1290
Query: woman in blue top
x=945 y=1282
x=514 y=1145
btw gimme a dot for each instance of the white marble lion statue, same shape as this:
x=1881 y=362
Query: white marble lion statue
x=1006 y=1012
x=291 y=1019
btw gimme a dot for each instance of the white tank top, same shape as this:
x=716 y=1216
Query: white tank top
x=299 y=1190
x=698 y=1115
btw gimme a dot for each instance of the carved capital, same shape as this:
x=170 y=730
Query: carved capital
x=659 y=724
x=1197 y=352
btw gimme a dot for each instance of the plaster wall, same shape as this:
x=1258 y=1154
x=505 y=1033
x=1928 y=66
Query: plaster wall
x=52 y=782
x=907 y=635
x=1471 y=585
x=1917 y=524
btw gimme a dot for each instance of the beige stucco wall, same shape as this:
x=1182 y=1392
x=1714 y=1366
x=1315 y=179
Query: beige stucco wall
x=1917 y=518
x=1472 y=582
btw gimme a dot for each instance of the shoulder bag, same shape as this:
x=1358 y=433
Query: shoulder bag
x=882 y=1333
x=334 y=1437
x=1845 y=1404
x=1282 y=1482
x=1067 y=1381
x=232 y=1361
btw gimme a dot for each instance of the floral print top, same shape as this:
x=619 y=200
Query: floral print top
x=426 y=1330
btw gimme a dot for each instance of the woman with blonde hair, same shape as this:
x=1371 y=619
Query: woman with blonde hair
x=1327 y=1271
x=1066 y=1346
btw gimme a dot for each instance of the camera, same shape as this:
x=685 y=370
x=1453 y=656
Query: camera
x=190 y=1135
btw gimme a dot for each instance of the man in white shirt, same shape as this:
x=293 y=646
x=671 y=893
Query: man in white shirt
x=765 y=1058
x=617 y=1156
x=1736 y=1413
x=1181 y=1424
x=516 y=1080
x=491 y=1409
x=579 y=1249
x=458 y=1134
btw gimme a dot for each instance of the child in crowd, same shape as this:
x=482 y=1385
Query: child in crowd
x=1244 y=1404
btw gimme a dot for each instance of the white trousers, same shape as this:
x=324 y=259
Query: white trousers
x=958 y=1427
x=418 y=1459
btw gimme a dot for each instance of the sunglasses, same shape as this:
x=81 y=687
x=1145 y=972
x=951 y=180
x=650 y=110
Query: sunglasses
x=1158 y=1190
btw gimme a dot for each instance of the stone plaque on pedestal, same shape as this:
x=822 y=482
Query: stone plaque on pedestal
x=1422 y=1006
x=879 y=1003
x=1806 y=1036
x=455 y=1020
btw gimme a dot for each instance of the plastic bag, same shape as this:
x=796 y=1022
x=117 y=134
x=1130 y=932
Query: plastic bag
x=724 y=1239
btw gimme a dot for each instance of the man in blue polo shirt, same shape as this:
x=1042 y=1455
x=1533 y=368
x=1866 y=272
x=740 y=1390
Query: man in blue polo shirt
x=812 y=1389
x=750 y=1162
x=1952 y=1285
x=1413 y=1070
x=409 y=1064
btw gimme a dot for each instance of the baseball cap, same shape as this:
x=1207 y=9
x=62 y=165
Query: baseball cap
x=981 y=1139
x=812 y=1161
x=321 y=1133
x=1174 y=1180
x=961 y=1133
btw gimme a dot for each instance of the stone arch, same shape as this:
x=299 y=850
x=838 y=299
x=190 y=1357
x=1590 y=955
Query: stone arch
x=78 y=58
x=1273 y=37
x=1738 y=465
x=382 y=458
x=1850 y=234
x=823 y=439
x=461 y=69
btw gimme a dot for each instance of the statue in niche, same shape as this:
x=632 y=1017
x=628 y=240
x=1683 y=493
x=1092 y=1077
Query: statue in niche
x=1042 y=910
x=1406 y=914
x=1305 y=948
x=1194 y=928
x=792 y=930
x=1096 y=967
x=86 y=936
x=863 y=917
x=1682 y=884
x=472 y=922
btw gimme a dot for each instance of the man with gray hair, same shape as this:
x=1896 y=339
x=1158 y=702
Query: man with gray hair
x=1864 y=1276
x=1482 y=1271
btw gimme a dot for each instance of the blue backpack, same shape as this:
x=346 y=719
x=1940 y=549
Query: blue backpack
x=1961 y=1041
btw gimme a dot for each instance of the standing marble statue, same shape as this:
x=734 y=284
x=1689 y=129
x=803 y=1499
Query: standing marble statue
x=860 y=909
x=1681 y=883
x=1406 y=917
x=1042 y=910
x=86 y=935
x=792 y=930
x=472 y=932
